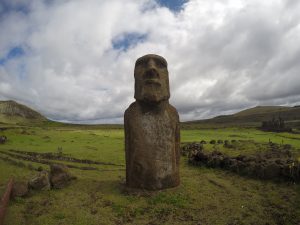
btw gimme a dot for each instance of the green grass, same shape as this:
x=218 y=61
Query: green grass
x=205 y=196
x=240 y=134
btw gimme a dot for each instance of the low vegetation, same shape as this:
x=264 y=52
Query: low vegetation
x=95 y=155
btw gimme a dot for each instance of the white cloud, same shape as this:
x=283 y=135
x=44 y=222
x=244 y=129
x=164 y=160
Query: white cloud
x=223 y=55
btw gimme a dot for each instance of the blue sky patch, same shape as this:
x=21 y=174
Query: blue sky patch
x=22 y=71
x=174 y=5
x=6 y=7
x=127 y=40
x=13 y=53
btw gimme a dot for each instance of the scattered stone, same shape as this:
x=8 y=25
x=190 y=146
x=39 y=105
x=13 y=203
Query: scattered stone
x=3 y=139
x=275 y=163
x=20 y=189
x=40 y=182
x=272 y=170
x=227 y=144
x=60 y=176
x=185 y=150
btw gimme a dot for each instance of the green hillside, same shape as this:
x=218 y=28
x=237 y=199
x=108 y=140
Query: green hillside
x=253 y=117
x=12 y=112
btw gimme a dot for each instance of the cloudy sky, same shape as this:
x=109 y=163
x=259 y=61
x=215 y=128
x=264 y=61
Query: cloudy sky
x=73 y=60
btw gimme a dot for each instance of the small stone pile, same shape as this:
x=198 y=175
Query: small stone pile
x=58 y=177
x=276 y=163
x=3 y=139
x=186 y=149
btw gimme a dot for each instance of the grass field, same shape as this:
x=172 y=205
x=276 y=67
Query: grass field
x=205 y=196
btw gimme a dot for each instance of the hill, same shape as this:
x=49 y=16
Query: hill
x=253 y=117
x=12 y=112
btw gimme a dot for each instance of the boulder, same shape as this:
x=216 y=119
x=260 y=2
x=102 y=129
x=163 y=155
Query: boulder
x=60 y=176
x=200 y=156
x=212 y=142
x=272 y=170
x=3 y=139
x=20 y=189
x=40 y=182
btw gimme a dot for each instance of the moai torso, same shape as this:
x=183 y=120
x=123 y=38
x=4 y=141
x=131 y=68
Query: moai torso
x=152 y=140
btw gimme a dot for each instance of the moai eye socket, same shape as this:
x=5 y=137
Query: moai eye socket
x=141 y=62
x=160 y=63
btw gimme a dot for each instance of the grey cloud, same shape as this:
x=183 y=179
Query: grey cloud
x=223 y=56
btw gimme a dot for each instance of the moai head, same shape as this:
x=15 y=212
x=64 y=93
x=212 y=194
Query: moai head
x=151 y=79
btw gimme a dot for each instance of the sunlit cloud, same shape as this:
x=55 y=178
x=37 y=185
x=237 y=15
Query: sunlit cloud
x=73 y=60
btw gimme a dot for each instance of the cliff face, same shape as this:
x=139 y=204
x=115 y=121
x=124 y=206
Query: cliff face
x=14 y=109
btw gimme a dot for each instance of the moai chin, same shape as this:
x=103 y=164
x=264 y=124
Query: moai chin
x=152 y=134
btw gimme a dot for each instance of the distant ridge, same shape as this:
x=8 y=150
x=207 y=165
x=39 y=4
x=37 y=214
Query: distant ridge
x=253 y=116
x=13 y=112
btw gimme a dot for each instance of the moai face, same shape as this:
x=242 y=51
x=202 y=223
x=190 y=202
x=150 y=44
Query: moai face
x=151 y=79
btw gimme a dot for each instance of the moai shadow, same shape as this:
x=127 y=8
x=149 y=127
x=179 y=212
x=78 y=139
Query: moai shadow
x=152 y=133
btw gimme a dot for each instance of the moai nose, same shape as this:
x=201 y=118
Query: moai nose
x=151 y=64
x=151 y=70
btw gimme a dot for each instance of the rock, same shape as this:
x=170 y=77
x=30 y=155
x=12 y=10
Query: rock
x=241 y=167
x=233 y=165
x=216 y=161
x=20 y=189
x=200 y=156
x=220 y=142
x=287 y=147
x=152 y=130
x=226 y=162
x=227 y=144
x=279 y=161
x=212 y=142
x=40 y=182
x=288 y=153
x=249 y=170
x=3 y=139
x=259 y=170
x=60 y=176
x=272 y=170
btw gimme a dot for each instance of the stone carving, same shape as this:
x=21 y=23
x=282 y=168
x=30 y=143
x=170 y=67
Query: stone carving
x=152 y=134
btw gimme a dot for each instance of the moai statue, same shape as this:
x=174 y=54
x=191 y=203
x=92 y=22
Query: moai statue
x=152 y=134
